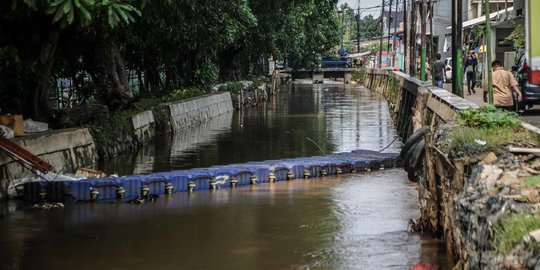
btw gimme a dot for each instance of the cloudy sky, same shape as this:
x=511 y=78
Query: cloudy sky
x=364 y=4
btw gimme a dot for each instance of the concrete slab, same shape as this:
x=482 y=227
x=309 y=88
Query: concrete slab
x=177 y=109
x=142 y=119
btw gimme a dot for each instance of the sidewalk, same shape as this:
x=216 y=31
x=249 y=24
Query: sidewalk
x=531 y=116
x=477 y=98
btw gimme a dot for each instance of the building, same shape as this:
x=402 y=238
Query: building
x=505 y=15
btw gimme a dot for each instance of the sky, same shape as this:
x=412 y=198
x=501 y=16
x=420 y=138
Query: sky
x=364 y=4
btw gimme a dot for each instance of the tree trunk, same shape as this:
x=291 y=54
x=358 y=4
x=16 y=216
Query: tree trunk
x=39 y=98
x=120 y=68
x=109 y=75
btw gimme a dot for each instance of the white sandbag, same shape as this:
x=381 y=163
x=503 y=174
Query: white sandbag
x=31 y=126
x=6 y=132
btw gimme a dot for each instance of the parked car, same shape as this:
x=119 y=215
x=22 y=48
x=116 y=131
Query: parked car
x=530 y=92
x=448 y=69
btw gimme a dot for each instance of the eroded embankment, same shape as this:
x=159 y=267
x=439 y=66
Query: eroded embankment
x=476 y=190
x=483 y=197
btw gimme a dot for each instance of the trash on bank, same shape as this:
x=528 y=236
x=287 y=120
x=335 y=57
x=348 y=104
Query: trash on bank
x=6 y=132
x=89 y=173
x=31 y=126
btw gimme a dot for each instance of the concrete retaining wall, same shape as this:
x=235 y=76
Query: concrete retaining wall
x=69 y=149
x=194 y=111
x=65 y=150
x=410 y=100
x=143 y=126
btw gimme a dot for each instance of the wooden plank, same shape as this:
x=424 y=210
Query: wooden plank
x=524 y=150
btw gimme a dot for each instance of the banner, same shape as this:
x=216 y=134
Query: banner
x=534 y=40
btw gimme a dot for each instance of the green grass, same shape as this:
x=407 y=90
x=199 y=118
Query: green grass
x=532 y=181
x=233 y=87
x=513 y=229
x=462 y=138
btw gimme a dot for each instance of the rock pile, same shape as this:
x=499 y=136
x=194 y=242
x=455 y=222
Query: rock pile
x=494 y=187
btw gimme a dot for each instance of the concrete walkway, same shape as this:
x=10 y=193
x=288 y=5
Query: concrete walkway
x=474 y=98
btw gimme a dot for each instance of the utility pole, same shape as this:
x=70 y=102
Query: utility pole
x=431 y=45
x=488 y=51
x=394 y=37
x=405 y=35
x=423 y=49
x=382 y=33
x=358 y=28
x=412 y=56
x=388 y=44
x=457 y=43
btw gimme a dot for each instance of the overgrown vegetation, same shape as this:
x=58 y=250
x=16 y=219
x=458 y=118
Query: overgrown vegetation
x=514 y=230
x=116 y=129
x=489 y=117
x=486 y=127
x=163 y=45
x=233 y=87
x=359 y=75
x=465 y=139
x=517 y=37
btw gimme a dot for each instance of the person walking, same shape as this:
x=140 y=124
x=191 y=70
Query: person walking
x=503 y=85
x=438 y=71
x=470 y=72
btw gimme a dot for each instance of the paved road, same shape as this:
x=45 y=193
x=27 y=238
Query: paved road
x=531 y=116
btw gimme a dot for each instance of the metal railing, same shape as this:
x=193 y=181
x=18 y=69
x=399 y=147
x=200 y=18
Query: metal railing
x=70 y=92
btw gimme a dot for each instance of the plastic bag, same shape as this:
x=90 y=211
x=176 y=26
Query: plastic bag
x=6 y=132
x=31 y=126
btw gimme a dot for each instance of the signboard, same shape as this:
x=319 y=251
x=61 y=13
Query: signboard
x=533 y=17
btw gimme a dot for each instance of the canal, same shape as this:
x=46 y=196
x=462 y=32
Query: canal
x=348 y=222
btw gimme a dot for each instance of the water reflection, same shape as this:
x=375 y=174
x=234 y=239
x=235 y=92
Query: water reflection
x=295 y=123
x=348 y=222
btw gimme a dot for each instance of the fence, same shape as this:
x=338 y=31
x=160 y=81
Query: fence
x=71 y=92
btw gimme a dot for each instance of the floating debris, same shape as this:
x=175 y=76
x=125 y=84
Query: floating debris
x=47 y=206
x=142 y=199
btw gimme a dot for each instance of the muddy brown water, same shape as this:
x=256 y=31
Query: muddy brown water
x=349 y=222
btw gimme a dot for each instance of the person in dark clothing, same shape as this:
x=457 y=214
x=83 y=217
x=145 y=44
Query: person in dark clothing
x=470 y=72
x=438 y=71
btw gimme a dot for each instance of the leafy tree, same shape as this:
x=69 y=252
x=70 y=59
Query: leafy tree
x=167 y=44
x=370 y=27
x=28 y=23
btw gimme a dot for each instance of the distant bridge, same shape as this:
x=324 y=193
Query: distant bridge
x=319 y=75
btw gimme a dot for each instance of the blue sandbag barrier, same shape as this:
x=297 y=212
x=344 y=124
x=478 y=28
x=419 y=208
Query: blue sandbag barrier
x=199 y=178
x=215 y=177
x=132 y=185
